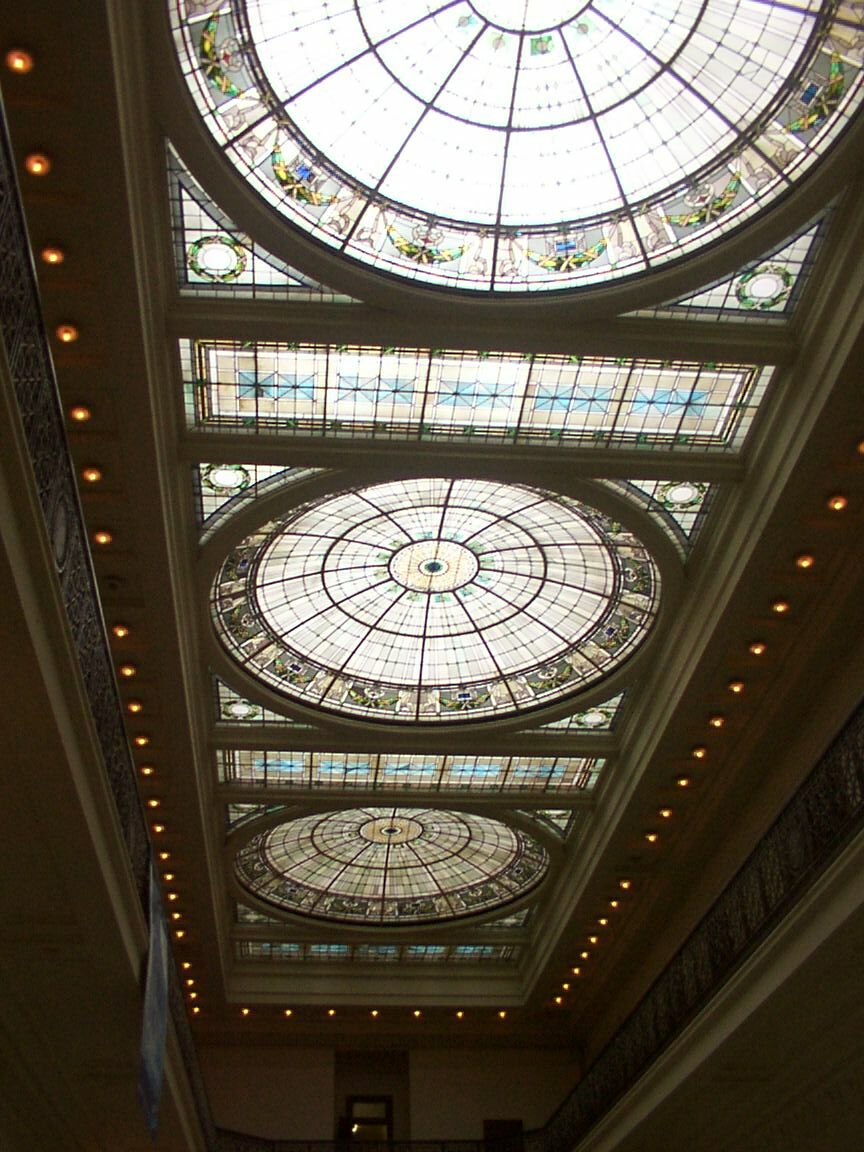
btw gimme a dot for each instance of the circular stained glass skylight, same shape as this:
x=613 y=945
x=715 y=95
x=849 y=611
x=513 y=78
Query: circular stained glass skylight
x=520 y=145
x=385 y=866
x=433 y=599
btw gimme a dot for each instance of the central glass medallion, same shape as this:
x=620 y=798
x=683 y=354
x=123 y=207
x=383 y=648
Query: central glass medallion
x=434 y=566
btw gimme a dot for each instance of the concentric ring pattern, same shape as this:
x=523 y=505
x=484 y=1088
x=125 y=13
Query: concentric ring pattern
x=385 y=866
x=520 y=145
x=434 y=599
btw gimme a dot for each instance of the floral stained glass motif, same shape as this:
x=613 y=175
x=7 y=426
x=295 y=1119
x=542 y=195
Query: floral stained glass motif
x=280 y=951
x=521 y=147
x=767 y=288
x=414 y=394
x=223 y=489
x=600 y=718
x=229 y=707
x=431 y=600
x=384 y=866
x=323 y=772
x=214 y=257
x=678 y=506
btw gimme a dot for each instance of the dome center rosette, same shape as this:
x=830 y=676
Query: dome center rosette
x=391 y=866
x=430 y=600
x=520 y=146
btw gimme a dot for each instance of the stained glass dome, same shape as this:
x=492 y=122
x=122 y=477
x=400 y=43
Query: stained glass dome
x=520 y=145
x=380 y=866
x=434 y=599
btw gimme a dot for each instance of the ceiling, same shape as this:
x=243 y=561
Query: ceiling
x=104 y=115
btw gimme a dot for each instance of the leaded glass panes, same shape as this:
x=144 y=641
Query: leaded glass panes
x=214 y=257
x=378 y=866
x=506 y=398
x=280 y=951
x=347 y=771
x=435 y=600
x=520 y=146
x=766 y=288
x=678 y=506
x=229 y=707
x=223 y=489
x=599 y=718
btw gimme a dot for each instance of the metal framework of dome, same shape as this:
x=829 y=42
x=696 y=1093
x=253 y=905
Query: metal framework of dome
x=435 y=600
x=382 y=866
x=521 y=145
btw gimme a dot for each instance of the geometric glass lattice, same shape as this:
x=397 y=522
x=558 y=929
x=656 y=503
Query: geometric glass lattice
x=430 y=394
x=435 y=600
x=385 y=866
x=323 y=772
x=281 y=951
x=520 y=145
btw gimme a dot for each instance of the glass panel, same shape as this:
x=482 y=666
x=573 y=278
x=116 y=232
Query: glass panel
x=433 y=599
x=378 y=866
x=392 y=771
x=599 y=718
x=767 y=288
x=280 y=951
x=215 y=258
x=223 y=489
x=229 y=707
x=429 y=139
x=416 y=394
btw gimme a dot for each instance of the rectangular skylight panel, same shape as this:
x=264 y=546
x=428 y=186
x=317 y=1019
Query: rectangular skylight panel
x=500 y=397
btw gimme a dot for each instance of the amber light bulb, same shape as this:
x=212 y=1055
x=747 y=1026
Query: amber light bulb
x=80 y=413
x=91 y=474
x=66 y=333
x=52 y=255
x=19 y=61
x=37 y=164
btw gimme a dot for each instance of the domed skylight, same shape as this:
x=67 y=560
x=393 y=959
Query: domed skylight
x=380 y=866
x=518 y=145
x=430 y=600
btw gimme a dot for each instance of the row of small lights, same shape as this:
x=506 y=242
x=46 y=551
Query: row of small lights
x=375 y=1013
x=20 y=62
x=804 y=562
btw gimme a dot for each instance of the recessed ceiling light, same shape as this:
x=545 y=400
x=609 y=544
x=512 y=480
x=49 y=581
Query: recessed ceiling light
x=244 y=1011
x=758 y=647
x=52 y=255
x=127 y=671
x=699 y=752
x=121 y=631
x=665 y=813
x=196 y=1009
x=559 y=1000
x=80 y=413
x=19 y=61
x=103 y=537
x=780 y=606
x=37 y=164
x=153 y=802
x=652 y=837
x=417 y=1013
x=91 y=474
x=502 y=1015
x=736 y=686
x=804 y=560
x=147 y=769
x=331 y=1011
x=625 y=884
x=374 y=1012
x=134 y=706
x=141 y=741
x=717 y=721
x=66 y=333
x=683 y=781
x=837 y=502
x=158 y=828
x=289 y=1012
x=459 y=1014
